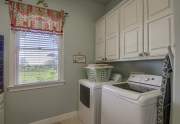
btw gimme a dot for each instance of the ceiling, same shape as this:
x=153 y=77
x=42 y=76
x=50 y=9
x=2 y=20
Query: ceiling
x=103 y=1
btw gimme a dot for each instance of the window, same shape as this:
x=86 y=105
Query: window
x=38 y=57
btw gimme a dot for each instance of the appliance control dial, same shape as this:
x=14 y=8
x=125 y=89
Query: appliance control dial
x=147 y=79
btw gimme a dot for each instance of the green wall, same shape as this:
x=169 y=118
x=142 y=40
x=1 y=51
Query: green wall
x=23 y=107
x=148 y=67
x=112 y=4
x=176 y=88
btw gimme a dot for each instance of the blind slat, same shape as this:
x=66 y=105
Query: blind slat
x=38 y=57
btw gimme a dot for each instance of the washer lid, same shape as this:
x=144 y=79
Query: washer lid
x=134 y=87
x=122 y=92
x=129 y=94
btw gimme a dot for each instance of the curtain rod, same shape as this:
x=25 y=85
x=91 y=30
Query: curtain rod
x=66 y=13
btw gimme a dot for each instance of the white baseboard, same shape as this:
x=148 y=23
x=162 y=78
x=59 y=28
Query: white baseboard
x=56 y=118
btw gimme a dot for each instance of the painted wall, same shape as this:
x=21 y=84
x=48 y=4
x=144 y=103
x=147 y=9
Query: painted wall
x=110 y=5
x=148 y=67
x=176 y=91
x=27 y=106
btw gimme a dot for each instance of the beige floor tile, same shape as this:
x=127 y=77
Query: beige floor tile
x=57 y=123
x=70 y=121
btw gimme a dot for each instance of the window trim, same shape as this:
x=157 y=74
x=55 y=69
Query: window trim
x=32 y=86
x=13 y=65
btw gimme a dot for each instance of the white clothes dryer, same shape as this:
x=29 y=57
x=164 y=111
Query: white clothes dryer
x=90 y=101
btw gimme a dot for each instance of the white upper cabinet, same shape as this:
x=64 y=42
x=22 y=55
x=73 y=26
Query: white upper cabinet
x=131 y=29
x=135 y=30
x=157 y=8
x=100 y=39
x=158 y=27
x=112 y=35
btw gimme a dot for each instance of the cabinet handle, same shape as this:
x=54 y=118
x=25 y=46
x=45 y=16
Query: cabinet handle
x=146 y=54
x=140 y=54
x=104 y=59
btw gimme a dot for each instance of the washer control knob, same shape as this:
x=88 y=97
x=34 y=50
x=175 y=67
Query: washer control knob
x=147 y=79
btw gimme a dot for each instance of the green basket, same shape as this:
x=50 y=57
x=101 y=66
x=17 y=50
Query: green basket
x=99 y=75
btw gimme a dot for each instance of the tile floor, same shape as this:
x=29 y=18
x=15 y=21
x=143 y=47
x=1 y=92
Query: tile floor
x=74 y=120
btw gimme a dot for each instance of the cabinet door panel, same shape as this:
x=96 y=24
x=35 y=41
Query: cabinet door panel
x=157 y=8
x=112 y=35
x=130 y=14
x=112 y=48
x=131 y=44
x=100 y=39
x=112 y=23
x=100 y=51
x=160 y=36
x=158 y=26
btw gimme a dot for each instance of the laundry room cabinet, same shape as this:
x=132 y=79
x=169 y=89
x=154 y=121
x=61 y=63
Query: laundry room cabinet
x=136 y=30
x=112 y=35
x=158 y=27
x=107 y=37
x=100 y=39
x=131 y=29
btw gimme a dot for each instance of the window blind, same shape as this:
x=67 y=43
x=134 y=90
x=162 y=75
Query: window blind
x=38 y=57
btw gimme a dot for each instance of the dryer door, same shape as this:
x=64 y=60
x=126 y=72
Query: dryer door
x=85 y=95
x=84 y=104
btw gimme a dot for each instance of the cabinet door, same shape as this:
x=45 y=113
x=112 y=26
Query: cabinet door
x=100 y=39
x=112 y=35
x=131 y=29
x=159 y=35
x=157 y=8
x=158 y=27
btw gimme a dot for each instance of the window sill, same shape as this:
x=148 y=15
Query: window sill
x=24 y=87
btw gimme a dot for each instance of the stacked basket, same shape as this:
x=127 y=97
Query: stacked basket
x=99 y=72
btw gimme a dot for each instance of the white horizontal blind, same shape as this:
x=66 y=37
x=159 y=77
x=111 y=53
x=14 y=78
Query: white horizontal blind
x=38 y=57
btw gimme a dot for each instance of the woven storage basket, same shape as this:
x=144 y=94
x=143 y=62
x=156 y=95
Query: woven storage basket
x=99 y=72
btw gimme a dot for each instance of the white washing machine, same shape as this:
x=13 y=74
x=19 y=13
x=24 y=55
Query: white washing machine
x=1 y=108
x=90 y=101
x=132 y=102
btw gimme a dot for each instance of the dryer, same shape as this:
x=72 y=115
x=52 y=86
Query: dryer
x=90 y=101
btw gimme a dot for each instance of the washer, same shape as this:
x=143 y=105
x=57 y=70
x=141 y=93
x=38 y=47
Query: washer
x=131 y=102
x=90 y=101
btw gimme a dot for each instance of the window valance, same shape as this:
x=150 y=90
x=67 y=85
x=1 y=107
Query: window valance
x=29 y=17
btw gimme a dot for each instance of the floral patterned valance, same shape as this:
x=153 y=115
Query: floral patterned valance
x=28 y=17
